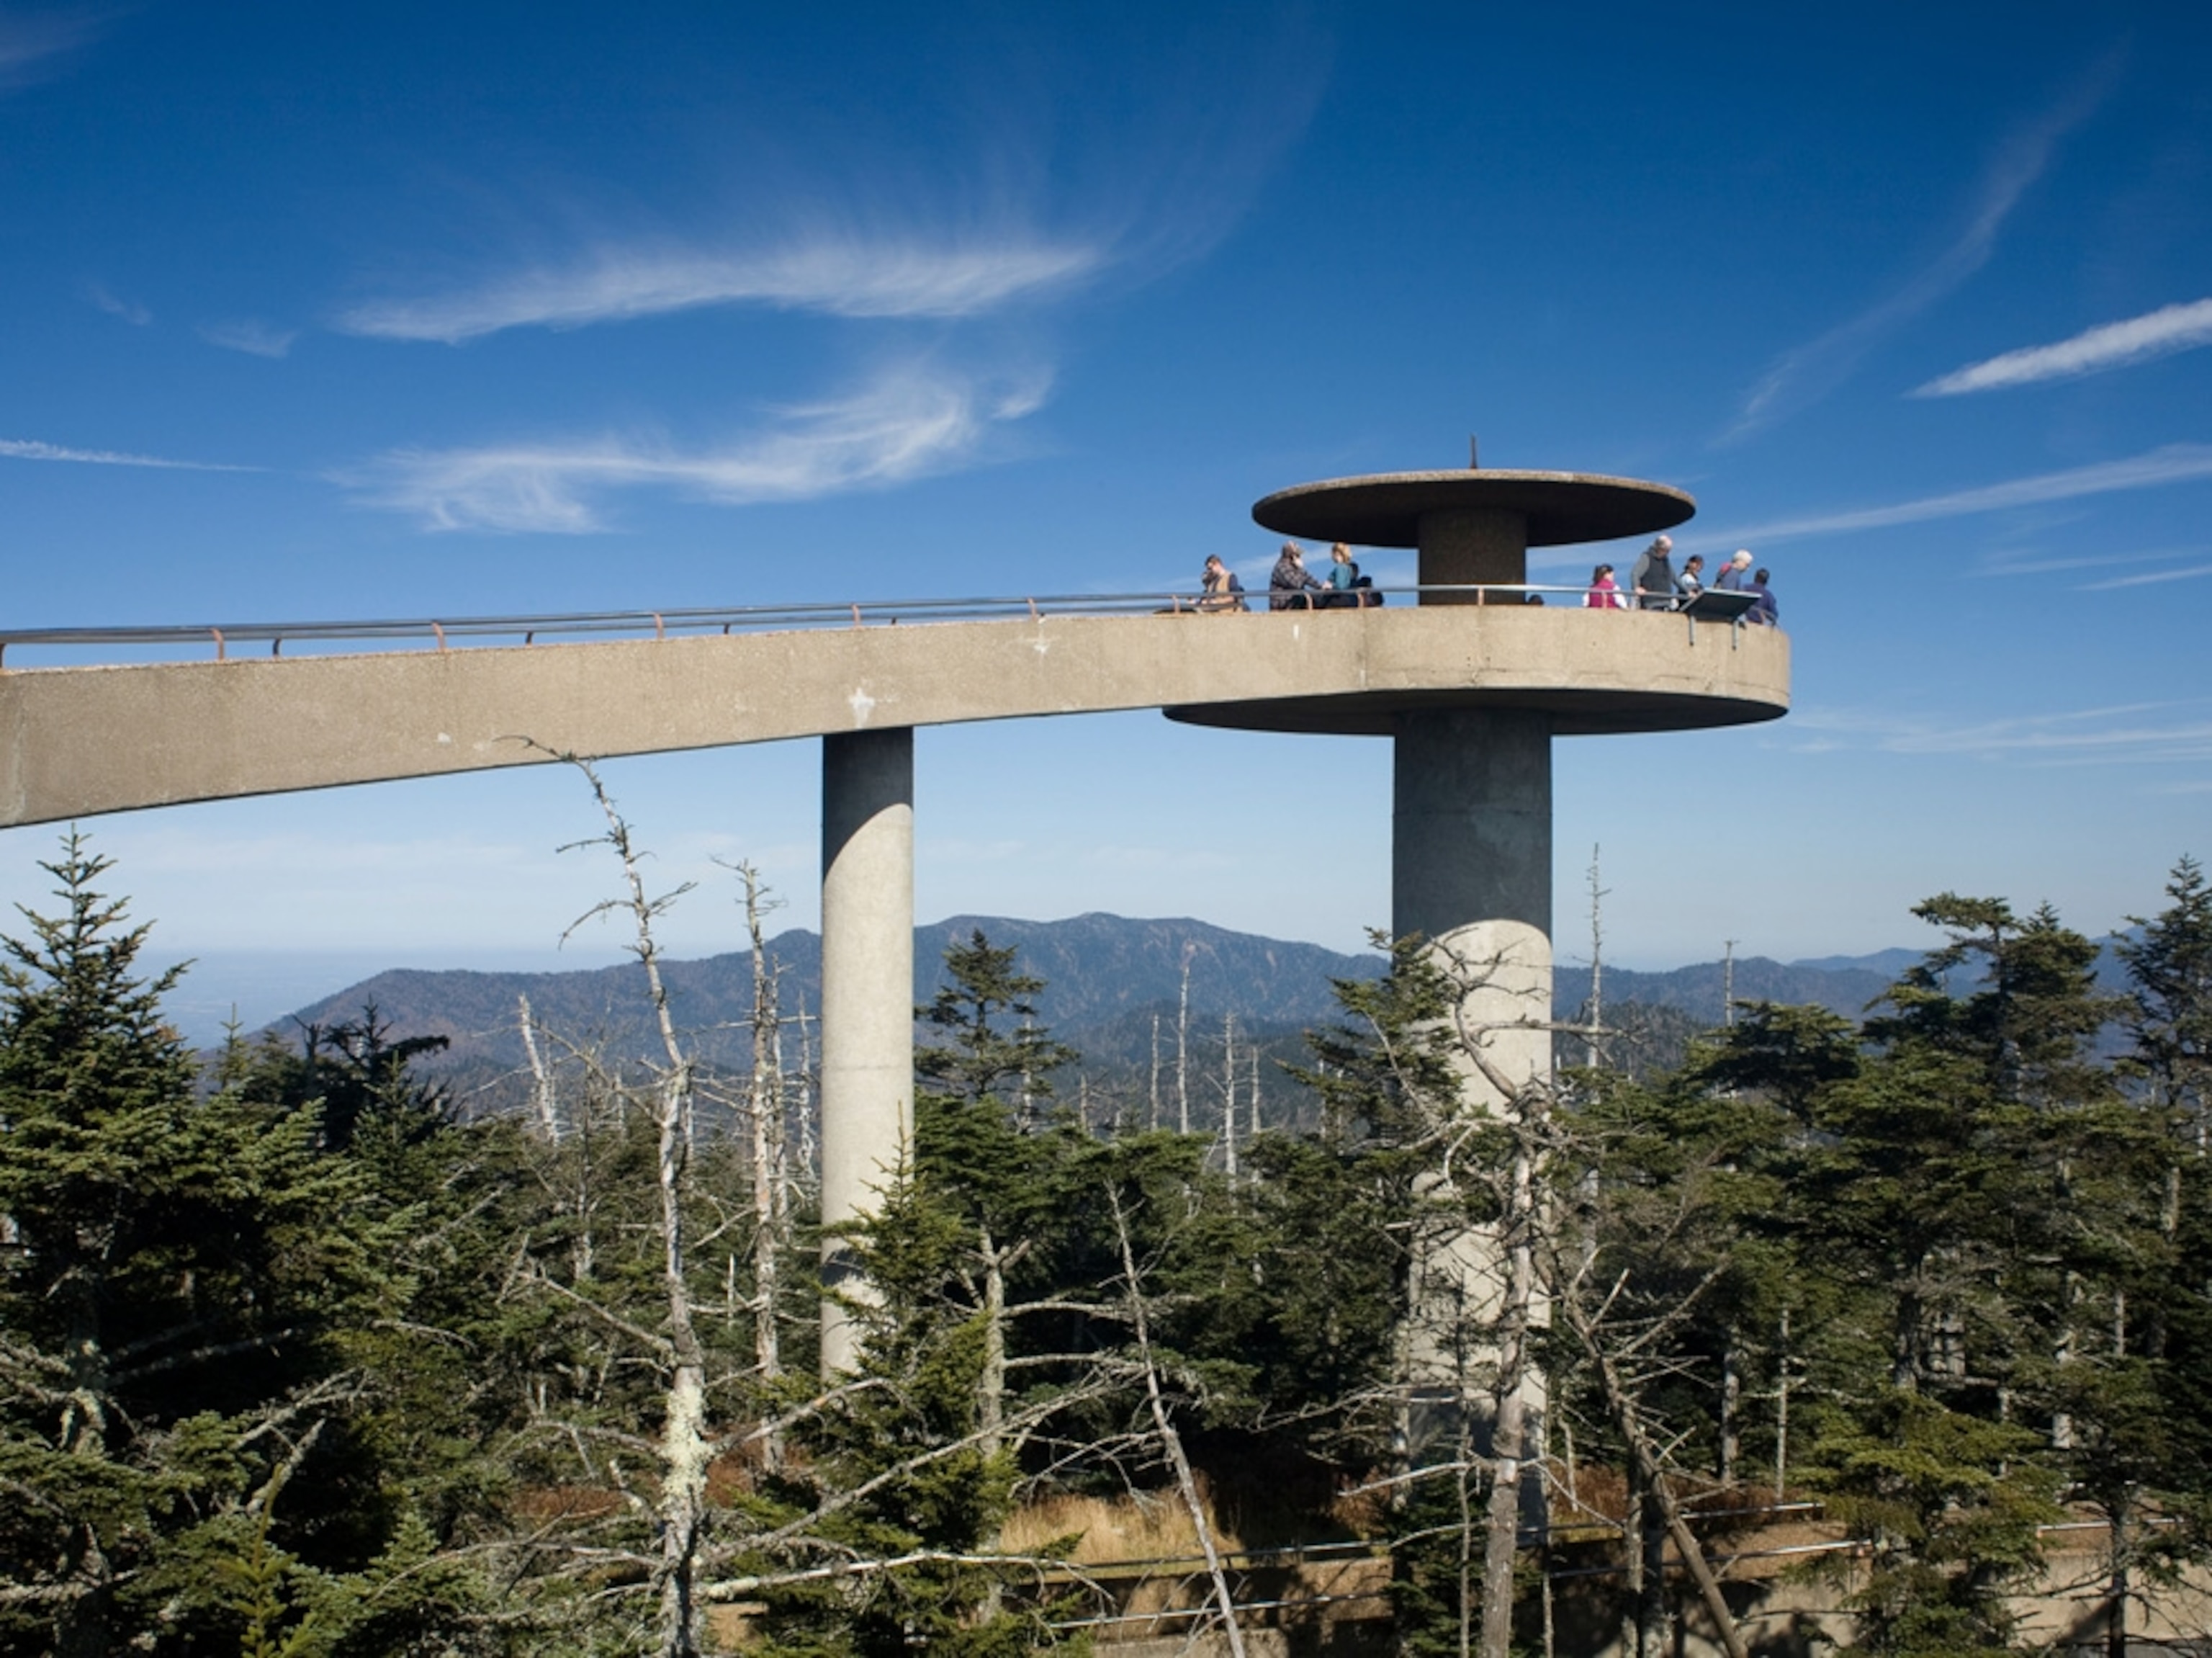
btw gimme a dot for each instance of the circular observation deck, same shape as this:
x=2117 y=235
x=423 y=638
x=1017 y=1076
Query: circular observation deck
x=1481 y=646
x=1592 y=672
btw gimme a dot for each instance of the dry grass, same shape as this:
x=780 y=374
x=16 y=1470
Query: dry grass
x=1137 y=1526
x=541 y=1503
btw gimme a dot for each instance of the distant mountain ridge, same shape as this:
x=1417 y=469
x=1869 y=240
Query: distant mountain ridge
x=1105 y=975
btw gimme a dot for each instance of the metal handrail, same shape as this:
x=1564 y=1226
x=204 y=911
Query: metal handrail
x=442 y=633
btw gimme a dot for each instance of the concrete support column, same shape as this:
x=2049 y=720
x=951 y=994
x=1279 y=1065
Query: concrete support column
x=867 y=995
x=1475 y=546
x=1471 y=829
x=1471 y=872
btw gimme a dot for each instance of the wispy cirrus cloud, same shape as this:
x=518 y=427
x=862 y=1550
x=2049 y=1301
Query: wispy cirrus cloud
x=838 y=276
x=908 y=424
x=106 y=299
x=2173 y=463
x=2111 y=346
x=25 y=449
x=1049 y=192
x=1805 y=373
x=254 y=338
x=30 y=43
x=2005 y=563
x=2122 y=733
x=2149 y=578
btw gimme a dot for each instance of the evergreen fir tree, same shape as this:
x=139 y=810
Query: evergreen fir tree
x=175 y=1275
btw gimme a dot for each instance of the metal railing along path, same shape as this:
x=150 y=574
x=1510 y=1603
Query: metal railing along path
x=223 y=639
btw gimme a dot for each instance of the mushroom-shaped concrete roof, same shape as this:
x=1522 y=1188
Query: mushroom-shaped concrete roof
x=1386 y=510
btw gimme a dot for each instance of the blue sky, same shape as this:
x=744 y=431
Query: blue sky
x=355 y=311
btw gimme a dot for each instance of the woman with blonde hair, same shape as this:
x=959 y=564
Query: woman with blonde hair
x=1343 y=577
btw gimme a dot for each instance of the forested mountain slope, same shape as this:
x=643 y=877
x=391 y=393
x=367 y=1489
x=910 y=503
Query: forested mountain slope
x=1106 y=976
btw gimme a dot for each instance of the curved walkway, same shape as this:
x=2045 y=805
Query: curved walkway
x=75 y=741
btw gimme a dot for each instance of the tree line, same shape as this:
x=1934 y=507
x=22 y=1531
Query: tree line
x=294 y=1360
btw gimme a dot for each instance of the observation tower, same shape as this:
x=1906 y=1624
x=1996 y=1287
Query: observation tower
x=1470 y=839
x=1471 y=684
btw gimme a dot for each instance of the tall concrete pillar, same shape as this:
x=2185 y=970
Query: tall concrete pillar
x=867 y=995
x=1471 y=872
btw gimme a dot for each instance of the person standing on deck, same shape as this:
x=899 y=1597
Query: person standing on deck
x=1764 y=611
x=1651 y=578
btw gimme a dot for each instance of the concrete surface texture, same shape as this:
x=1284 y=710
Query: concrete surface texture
x=867 y=999
x=75 y=741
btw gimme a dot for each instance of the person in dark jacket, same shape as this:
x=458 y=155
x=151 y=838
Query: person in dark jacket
x=1289 y=581
x=1764 y=611
x=1652 y=579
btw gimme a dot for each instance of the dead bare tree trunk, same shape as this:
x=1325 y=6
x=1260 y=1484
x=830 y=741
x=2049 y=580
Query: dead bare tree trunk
x=1782 y=1413
x=764 y=1111
x=1628 y=1422
x=1597 y=896
x=1170 y=1440
x=810 y=1102
x=542 y=1102
x=991 y=1385
x=1229 y=1095
x=1152 y=1122
x=683 y=1450
x=1654 y=1622
x=681 y=1511
x=1633 y=1560
x=1182 y=1047
x=1731 y=1405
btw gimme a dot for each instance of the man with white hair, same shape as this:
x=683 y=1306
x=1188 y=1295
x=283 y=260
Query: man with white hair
x=1652 y=579
x=1735 y=574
